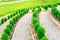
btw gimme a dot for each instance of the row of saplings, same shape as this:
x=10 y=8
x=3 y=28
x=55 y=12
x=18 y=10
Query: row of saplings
x=56 y=12
x=7 y=18
x=6 y=35
x=48 y=5
x=40 y=31
x=10 y=16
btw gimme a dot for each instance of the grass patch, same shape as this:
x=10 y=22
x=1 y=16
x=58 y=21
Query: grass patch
x=8 y=8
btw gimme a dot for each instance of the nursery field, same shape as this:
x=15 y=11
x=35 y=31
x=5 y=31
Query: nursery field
x=7 y=8
x=30 y=20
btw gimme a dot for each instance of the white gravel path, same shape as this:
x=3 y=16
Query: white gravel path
x=52 y=31
x=22 y=30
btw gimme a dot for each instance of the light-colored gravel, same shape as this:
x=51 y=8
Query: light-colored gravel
x=58 y=7
x=52 y=31
x=22 y=30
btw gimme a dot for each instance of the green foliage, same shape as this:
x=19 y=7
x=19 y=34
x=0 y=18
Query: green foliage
x=45 y=7
x=36 y=11
x=55 y=5
x=16 y=17
x=14 y=14
x=34 y=20
x=0 y=23
x=7 y=8
x=44 y=38
x=9 y=16
x=4 y=36
x=55 y=13
x=9 y=26
x=25 y=11
x=33 y=9
x=21 y=13
x=36 y=25
x=17 y=12
x=35 y=14
x=14 y=20
x=49 y=5
x=39 y=9
x=53 y=9
x=58 y=3
x=52 y=5
x=3 y=20
x=58 y=15
x=40 y=32
x=7 y=31
x=11 y=22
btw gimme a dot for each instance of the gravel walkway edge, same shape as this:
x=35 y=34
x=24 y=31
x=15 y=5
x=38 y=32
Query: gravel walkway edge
x=55 y=21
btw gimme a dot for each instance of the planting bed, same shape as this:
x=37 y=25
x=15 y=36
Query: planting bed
x=8 y=29
x=22 y=30
x=2 y=27
x=52 y=31
x=38 y=30
x=29 y=22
